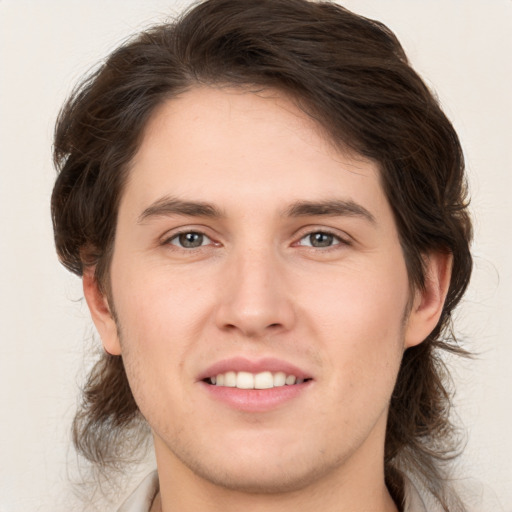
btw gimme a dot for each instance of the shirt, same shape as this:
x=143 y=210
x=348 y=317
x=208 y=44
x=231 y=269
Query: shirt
x=143 y=496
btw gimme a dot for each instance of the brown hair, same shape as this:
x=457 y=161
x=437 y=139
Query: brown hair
x=351 y=75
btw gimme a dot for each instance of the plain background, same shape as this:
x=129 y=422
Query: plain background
x=462 y=47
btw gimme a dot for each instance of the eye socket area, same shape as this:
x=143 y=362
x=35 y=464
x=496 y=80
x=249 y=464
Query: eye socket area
x=189 y=240
x=321 y=239
x=314 y=239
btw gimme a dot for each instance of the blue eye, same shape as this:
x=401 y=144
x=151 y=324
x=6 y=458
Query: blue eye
x=190 y=240
x=320 y=239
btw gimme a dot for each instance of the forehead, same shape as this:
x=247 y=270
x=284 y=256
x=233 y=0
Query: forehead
x=226 y=144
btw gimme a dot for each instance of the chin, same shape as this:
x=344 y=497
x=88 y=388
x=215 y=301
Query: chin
x=258 y=476
x=266 y=482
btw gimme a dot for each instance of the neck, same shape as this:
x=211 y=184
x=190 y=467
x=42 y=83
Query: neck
x=356 y=487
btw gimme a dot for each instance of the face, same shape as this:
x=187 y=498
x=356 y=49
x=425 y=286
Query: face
x=260 y=293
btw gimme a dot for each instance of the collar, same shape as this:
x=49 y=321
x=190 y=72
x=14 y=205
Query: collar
x=142 y=498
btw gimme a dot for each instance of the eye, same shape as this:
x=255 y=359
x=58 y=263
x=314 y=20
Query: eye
x=320 y=239
x=190 y=240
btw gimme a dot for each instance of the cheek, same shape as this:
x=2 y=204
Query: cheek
x=161 y=318
x=360 y=320
x=155 y=300
x=363 y=299
x=153 y=335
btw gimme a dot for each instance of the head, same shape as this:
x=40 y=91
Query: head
x=348 y=83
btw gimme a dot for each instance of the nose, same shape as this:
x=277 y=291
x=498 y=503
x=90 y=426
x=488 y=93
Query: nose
x=254 y=300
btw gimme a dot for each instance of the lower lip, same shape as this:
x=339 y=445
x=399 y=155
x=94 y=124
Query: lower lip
x=256 y=400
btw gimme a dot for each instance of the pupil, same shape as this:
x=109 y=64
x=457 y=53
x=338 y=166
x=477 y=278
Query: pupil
x=321 y=240
x=191 y=240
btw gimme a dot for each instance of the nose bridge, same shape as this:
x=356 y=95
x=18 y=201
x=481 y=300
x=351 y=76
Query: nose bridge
x=254 y=300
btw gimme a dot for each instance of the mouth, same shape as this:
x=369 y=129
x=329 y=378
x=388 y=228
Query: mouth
x=255 y=385
x=261 y=380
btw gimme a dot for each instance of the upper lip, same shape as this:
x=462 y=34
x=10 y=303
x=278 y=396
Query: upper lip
x=242 y=364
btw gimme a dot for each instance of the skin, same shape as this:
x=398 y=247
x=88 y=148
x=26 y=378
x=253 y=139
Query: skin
x=257 y=287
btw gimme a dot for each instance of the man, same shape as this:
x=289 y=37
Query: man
x=267 y=208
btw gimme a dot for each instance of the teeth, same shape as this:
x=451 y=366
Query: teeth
x=290 y=380
x=247 y=380
x=230 y=379
x=263 y=380
x=279 y=379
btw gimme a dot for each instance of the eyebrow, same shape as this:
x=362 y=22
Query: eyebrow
x=329 y=208
x=166 y=206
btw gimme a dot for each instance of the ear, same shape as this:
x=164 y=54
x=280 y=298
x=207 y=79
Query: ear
x=428 y=302
x=101 y=313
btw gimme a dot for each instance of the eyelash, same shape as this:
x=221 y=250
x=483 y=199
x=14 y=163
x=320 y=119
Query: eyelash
x=177 y=236
x=336 y=239
x=339 y=241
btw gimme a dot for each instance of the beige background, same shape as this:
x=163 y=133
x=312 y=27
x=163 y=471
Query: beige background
x=462 y=47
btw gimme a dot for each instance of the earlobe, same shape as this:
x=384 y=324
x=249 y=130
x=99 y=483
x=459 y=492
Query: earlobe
x=429 y=302
x=101 y=313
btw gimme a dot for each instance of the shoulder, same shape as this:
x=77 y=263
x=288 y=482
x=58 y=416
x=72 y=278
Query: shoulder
x=142 y=498
x=413 y=501
x=465 y=495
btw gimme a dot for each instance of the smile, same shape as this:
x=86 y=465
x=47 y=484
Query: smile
x=255 y=385
x=247 y=380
